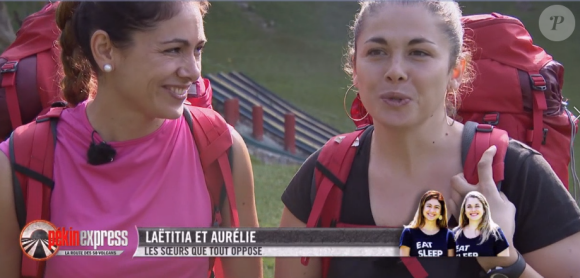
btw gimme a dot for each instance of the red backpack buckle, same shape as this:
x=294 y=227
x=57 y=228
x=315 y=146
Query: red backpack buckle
x=538 y=82
x=484 y=128
x=491 y=118
x=10 y=66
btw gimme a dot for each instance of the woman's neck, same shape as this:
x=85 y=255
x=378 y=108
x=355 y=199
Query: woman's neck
x=473 y=225
x=430 y=225
x=116 y=121
x=406 y=148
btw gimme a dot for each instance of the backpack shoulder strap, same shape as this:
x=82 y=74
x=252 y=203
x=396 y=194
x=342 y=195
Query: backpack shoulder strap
x=36 y=35
x=214 y=143
x=8 y=71
x=31 y=157
x=337 y=156
x=332 y=168
x=477 y=138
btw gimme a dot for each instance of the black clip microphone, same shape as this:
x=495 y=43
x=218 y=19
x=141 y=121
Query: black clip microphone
x=101 y=153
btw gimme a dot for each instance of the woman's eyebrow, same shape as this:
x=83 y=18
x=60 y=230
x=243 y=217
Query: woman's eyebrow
x=420 y=40
x=182 y=41
x=414 y=41
x=176 y=40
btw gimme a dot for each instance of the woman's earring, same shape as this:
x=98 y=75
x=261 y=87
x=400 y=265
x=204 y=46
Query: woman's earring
x=346 y=111
x=107 y=68
x=440 y=217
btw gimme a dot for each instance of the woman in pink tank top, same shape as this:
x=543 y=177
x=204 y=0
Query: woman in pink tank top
x=144 y=56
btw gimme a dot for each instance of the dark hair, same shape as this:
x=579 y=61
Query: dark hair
x=79 y=20
x=419 y=219
x=450 y=14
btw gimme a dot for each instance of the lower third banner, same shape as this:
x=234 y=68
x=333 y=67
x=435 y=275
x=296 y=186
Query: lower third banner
x=268 y=242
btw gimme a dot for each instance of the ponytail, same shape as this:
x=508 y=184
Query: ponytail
x=77 y=82
x=79 y=20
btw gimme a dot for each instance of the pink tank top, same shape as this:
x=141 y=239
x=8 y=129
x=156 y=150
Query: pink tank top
x=154 y=181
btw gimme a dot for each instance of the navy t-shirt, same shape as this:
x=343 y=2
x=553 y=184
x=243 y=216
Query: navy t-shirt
x=423 y=245
x=470 y=247
x=528 y=176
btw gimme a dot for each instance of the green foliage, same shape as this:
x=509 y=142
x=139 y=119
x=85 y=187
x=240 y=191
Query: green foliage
x=270 y=182
x=19 y=10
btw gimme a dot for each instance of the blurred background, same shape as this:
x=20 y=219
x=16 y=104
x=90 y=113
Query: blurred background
x=294 y=51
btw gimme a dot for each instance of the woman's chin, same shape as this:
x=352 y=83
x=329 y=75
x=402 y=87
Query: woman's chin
x=170 y=111
x=396 y=120
x=471 y=218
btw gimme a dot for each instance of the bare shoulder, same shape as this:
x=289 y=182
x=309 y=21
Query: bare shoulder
x=240 y=155
x=238 y=140
x=241 y=164
x=9 y=231
x=243 y=180
x=6 y=190
x=5 y=169
x=246 y=206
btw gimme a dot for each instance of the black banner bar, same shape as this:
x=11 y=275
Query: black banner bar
x=270 y=237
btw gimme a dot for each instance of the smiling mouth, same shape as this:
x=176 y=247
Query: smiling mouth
x=178 y=91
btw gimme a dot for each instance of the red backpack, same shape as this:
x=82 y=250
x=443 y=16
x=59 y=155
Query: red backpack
x=517 y=89
x=29 y=73
x=32 y=156
x=29 y=92
x=201 y=95
x=337 y=155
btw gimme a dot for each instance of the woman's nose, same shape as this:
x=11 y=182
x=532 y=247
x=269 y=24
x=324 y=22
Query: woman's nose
x=190 y=69
x=396 y=72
